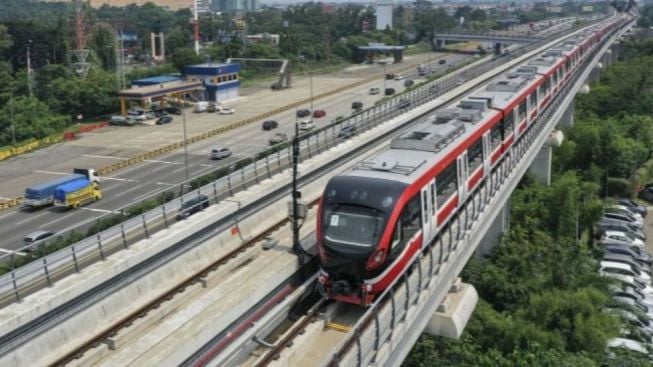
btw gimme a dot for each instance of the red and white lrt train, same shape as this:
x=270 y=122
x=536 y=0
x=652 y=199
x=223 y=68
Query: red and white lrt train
x=375 y=219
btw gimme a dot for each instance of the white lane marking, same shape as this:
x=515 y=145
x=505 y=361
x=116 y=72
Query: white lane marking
x=32 y=217
x=12 y=252
x=101 y=156
x=165 y=184
x=117 y=179
x=157 y=161
x=98 y=210
x=53 y=173
x=127 y=191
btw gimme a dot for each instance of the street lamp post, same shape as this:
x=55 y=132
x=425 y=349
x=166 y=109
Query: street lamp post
x=183 y=118
x=310 y=76
x=384 y=77
x=11 y=117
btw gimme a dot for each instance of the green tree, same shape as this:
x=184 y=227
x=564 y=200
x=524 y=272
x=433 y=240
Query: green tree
x=185 y=56
x=5 y=40
x=31 y=119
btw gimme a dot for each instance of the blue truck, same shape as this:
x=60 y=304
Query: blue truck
x=76 y=193
x=43 y=194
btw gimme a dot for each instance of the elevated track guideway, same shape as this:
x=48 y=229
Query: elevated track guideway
x=382 y=333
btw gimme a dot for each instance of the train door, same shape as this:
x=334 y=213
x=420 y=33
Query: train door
x=428 y=211
x=487 y=160
x=462 y=177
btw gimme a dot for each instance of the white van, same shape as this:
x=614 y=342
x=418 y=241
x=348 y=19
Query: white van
x=624 y=269
x=201 y=106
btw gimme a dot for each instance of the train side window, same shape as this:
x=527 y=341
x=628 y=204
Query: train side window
x=425 y=200
x=533 y=99
x=509 y=123
x=475 y=155
x=447 y=183
x=554 y=78
x=521 y=111
x=546 y=84
x=495 y=137
x=409 y=223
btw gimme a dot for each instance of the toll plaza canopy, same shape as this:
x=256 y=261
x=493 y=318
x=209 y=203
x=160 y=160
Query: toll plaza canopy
x=149 y=93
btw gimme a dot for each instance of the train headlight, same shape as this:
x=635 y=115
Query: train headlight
x=378 y=257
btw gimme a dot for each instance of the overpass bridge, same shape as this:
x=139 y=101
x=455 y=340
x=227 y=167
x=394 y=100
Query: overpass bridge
x=83 y=306
x=497 y=39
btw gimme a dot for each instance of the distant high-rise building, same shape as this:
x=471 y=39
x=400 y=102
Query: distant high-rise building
x=383 y=14
x=235 y=5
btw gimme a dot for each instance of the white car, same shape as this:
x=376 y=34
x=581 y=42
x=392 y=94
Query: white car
x=625 y=209
x=628 y=344
x=225 y=111
x=621 y=238
x=398 y=77
x=306 y=125
x=629 y=280
x=624 y=269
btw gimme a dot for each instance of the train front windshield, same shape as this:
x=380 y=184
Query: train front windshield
x=352 y=229
x=355 y=213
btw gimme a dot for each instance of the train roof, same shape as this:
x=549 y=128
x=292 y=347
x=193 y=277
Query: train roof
x=425 y=145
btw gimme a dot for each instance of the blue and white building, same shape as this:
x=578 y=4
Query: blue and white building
x=220 y=81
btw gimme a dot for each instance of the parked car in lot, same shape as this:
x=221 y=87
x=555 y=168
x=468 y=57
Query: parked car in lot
x=635 y=207
x=646 y=194
x=622 y=209
x=193 y=206
x=389 y=76
x=357 y=105
x=278 y=138
x=306 y=125
x=303 y=113
x=219 y=153
x=120 y=121
x=623 y=218
x=617 y=225
x=347 y=131
x=398 y=77
x=374 y=91
x=626 y=301
x=619 y=238
x=409 y=83
x=270 y=124
x=623 y=269
x=634 y=252
x=625 y=259
x=442 y=61
x=211 y=108
x=164 y=120
x=174 y=110
x=629 y=280
x=319 y=113
x=389 y=91
x=137 y=118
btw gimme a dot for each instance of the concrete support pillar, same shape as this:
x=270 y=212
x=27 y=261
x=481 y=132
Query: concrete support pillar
x=123 y=106
x=451 y=317
x=493 y=235
x=595 y=74
x=541 y=166
x=584 y=89
x=439 y=44
x=567 y=119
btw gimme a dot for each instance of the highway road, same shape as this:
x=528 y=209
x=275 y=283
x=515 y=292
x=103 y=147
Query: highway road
x=140 y=181
x=137 y=182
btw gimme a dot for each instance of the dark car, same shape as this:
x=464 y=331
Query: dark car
x=347 y=131
x=303 y=113
x=357 y=105
x=174 y=110
x=403 y=103
x=270 y=124
x=631 y=251
x=193 y=206
x=319 y=113
x=164 y=120
x=389 y=76
x=646 y=194
x=409 y=83
x=442 y=61
x=633 y=206
x=389 y=91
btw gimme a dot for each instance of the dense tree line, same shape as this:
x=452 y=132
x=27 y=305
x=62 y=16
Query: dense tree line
x=541 y=296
